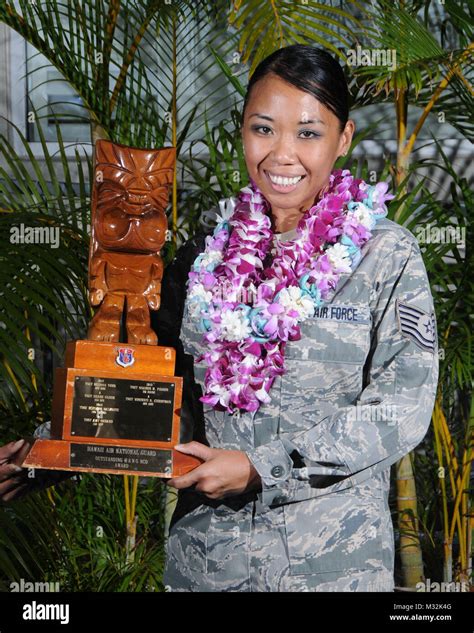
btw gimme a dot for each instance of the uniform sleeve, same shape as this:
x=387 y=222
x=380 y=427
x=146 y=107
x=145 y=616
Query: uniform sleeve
x=393 y=412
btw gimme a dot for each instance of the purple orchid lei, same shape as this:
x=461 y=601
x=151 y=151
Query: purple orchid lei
x=247 y=311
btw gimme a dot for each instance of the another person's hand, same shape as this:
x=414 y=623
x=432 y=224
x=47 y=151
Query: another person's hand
x=13 y=479
x=224 y=472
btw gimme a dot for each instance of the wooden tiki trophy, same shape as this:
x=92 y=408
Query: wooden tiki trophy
x=116 y=404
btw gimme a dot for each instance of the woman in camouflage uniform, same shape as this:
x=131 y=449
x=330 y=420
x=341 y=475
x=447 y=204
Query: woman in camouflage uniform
x=294 y=496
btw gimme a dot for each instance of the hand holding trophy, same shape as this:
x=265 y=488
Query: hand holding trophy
x=116 y=404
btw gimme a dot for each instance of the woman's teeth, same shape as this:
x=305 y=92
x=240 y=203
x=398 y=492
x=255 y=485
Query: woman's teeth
x=286 y=182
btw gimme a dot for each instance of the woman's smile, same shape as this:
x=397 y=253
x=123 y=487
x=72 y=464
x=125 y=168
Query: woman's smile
x=283 y=183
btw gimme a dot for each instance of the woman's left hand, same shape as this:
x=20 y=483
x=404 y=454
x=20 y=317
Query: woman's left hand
x=224 y=472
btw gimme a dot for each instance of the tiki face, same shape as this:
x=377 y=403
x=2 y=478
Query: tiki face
x=131 y=194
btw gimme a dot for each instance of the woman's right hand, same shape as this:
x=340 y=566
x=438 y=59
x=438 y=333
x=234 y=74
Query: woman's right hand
x=13 y=479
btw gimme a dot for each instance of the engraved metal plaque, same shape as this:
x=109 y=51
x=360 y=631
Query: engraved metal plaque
x=116 y=408
x=101 y=456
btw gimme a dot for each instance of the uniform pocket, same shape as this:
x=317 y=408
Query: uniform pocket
x=331 y=340
x=335 y=533
x=324 y=369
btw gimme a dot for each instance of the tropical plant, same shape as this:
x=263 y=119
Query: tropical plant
x=74 y=535
x=129 y=62
x=433 y=77
x=453 y=418
x=438 y=80
x=268 y=26
x=104 y=52
x=44 y=285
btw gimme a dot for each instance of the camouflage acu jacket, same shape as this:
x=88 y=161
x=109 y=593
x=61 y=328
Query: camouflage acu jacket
x=357 y=396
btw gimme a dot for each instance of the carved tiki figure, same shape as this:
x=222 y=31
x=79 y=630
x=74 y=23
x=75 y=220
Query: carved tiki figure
x=129 y=224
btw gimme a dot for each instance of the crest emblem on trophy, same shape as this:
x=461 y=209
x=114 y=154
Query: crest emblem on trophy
x=125 y=357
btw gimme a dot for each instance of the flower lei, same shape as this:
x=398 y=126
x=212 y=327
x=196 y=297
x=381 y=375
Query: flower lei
x=248 y=312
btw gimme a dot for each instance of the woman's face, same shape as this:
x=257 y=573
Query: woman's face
x=288 y=133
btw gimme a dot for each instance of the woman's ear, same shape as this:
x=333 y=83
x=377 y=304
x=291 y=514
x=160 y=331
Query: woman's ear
x=346 y=137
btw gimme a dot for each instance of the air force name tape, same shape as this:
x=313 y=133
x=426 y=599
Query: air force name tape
x=417 y=325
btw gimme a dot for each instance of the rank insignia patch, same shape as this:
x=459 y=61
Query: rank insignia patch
x=417 y=325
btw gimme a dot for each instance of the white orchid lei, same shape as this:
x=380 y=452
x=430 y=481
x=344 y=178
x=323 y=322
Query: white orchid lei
x=248 y=312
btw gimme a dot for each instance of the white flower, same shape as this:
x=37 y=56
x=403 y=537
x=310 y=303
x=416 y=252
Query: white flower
x=338 y=256
x=211 y=257
x=250 y=259
x=222 y=392
x=249 y=360
x=199 y=292
x=363 y=215
x=226 y=208
x=234 y=325
x=293 y=299
x=262 y=395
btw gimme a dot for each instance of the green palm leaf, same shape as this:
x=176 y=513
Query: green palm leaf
x=43 y=301
x=268 y=26
x=420 y=58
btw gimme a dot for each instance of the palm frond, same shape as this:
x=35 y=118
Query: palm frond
x=268 y=26
x=44 y=251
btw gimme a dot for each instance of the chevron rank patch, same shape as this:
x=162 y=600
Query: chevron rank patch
x=417 y=325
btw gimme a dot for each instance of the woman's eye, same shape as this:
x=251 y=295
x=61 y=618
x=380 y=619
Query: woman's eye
x=260 y=128
x=313 y=134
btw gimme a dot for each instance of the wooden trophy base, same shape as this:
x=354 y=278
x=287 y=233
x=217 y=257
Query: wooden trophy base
x=116 y=410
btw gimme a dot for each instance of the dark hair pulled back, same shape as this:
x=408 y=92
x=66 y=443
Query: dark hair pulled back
x=311 y=69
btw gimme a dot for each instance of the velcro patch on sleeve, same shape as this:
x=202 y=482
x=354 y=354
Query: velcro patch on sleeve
x=417 y=325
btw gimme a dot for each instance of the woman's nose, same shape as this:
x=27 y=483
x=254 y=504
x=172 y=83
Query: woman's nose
x=283 y=151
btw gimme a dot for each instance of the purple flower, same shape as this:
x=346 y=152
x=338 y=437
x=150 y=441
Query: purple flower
x=242 y=370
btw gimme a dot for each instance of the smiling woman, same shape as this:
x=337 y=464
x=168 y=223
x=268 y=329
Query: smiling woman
x=295 y=126
x=308 y=321
x=306 y=338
